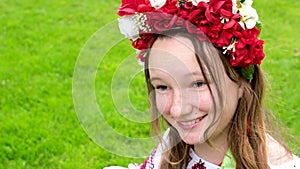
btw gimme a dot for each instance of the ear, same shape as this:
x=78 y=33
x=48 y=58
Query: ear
x=241 y=91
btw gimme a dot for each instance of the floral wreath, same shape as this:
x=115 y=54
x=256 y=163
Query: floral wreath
x=231 y=25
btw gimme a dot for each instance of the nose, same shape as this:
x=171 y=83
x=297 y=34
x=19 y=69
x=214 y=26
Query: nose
x=179 y=105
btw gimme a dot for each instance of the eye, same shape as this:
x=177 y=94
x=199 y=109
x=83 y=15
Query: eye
x=162 y=87
x=198 y=84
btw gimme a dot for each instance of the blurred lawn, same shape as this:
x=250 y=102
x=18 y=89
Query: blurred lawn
x=39 y=45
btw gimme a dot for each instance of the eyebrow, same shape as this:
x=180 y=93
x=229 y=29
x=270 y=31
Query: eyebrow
x=154 y=78
x=195 y=73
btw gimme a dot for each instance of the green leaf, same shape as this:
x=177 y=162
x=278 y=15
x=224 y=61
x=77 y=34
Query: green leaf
x=248 y=73
x=259 y=25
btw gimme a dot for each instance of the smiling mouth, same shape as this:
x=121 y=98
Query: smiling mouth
x=190 y=124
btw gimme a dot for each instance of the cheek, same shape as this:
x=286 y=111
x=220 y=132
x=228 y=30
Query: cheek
x=201 y=100
x=162 y=103
x=204 y=101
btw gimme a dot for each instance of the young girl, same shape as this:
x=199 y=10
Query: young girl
x=202 y=70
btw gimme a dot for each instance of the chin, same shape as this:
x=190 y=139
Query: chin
x=192 y=138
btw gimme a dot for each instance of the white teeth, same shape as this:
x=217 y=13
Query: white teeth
x=188 y=123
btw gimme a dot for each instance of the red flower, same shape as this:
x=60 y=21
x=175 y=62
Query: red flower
x=214 y=21
x=198 y=14
x=258 y=51
x=214 y=31
x=229 y=30
x=129 y=7
x=238 y=58
x=169 y=7
x=197 y=17
x=185 y=11
x=160 y=21
x=143 y=42
x=217 y=9
x=224 y=38
x=249 y=36
x=249 y=49
x=233 y=26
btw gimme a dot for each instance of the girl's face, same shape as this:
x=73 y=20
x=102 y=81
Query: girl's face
x=182 y=94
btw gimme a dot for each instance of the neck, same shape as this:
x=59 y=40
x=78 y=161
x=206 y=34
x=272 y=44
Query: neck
x=215 y=151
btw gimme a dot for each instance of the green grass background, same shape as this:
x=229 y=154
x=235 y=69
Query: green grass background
x=39 y=45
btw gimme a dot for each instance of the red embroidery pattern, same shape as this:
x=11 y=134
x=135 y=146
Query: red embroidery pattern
x=149 y=161
x=143 y=166
x=199 y=165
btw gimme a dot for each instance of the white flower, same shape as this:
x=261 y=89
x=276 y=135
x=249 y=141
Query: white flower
x=128 y=27
x=249 y=16
x=230 y=47
x=157 y=3
x=139 y=20
x=247 y=2
x=234 y=7
x=195 y=2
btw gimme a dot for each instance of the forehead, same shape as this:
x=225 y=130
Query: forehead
x=173 y=55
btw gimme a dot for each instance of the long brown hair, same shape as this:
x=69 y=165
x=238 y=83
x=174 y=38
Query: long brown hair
x=246 y=135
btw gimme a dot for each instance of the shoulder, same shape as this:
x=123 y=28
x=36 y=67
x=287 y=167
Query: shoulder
x=280 y=157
